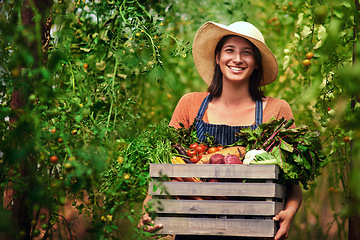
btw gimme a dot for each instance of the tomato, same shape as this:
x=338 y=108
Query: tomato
x=200 y=149
x=32 y=98
x=191 y=152
x=42 y=217
x=60 y=140
x=36 y=232
x=219 y=148
x=194 y=159
x=44 y=226
x=193 y=146
x=53 y=130
x=309 y=55
x=74 y=132
x=200 y=155
x=54 y=159
x=329 y=109
x=306 y=62
x=33 y=222
x=68 y=166
x=86 y=66
x=212 y=150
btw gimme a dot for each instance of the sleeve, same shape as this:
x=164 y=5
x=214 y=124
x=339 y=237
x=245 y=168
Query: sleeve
x=182 y=112
x=277 y=108
x=285 y=112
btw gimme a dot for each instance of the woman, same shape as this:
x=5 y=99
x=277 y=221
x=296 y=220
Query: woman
x=235 y=62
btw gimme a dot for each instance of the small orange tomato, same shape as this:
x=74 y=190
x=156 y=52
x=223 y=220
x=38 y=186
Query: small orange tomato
x=309 y=55
x=219 y=148
x=54 y=159
x=74 y=132
x=306 y=62
x=53 y=130
x=212 y=150
x=60 y=140
x=86 y=66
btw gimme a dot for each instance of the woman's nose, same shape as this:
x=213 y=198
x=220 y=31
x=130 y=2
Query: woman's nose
x=237 y=58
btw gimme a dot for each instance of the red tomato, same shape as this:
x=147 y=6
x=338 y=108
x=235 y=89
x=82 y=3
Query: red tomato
x=193 y=146
x=54 y=159
x=219 y=148
x=191 y=152
x=200 y=149
x=200 y=155
x=212 y=150
x=194 y=159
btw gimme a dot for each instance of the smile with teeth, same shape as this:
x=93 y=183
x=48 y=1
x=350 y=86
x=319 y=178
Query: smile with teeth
x=237 y=68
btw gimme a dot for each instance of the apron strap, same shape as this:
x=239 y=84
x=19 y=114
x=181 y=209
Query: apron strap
x=203 y=107
x=259 y=112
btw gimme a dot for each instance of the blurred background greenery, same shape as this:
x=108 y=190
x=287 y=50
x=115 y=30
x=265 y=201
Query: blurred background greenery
x=72 y=101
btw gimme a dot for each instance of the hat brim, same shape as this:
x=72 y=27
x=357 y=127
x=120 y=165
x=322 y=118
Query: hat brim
x=204 y=44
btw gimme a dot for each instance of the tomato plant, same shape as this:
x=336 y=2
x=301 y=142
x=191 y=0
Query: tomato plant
x=109 y=70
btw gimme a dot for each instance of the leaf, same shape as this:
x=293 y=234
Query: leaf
x=78 y=118
x=286 y=146
x=306 y=32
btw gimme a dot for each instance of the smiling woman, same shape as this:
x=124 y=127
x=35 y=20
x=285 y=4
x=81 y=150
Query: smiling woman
x=235 y=62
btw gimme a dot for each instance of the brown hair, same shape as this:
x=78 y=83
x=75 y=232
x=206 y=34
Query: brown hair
x=255 y=90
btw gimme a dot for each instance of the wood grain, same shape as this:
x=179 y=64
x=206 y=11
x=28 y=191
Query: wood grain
x=215 y=171
x=217 y=226
x=218 y=189
x=217 y=207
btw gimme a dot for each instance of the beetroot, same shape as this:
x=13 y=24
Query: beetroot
x=232 y=159
x=217 y=159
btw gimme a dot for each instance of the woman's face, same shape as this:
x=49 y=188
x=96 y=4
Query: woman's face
x=236 y=60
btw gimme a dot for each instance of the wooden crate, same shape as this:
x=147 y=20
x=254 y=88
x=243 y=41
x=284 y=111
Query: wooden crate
x=246 y=211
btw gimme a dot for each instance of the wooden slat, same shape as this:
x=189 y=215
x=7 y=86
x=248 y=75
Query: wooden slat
x=217 y=226
x=218 y=189
x=215 y=171
x=218 y=207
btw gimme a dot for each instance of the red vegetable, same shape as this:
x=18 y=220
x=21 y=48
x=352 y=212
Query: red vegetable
x=232 y=159
x=217 y=159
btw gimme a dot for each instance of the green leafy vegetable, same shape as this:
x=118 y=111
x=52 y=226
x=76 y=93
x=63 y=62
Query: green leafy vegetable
x=297 y=151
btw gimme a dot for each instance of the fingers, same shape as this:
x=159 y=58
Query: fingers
x=148 y=224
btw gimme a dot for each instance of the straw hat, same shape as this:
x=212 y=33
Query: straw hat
x=208 y=36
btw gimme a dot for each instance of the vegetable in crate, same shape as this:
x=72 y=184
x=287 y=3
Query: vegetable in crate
x=297 y=151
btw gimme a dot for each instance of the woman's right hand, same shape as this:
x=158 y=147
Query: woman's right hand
x=148 y=224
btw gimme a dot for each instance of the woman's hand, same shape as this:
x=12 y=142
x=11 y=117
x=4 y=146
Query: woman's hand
x=148 y=224
x=284 y=218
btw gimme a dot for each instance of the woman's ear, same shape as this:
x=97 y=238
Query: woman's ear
x=217 y=58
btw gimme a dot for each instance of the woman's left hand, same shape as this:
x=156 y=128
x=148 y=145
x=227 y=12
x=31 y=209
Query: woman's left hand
x=284 y=218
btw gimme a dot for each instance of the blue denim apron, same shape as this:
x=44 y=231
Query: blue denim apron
x=224 y=134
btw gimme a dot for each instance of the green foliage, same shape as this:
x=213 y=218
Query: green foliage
x=115 y=68
x=297 y=151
